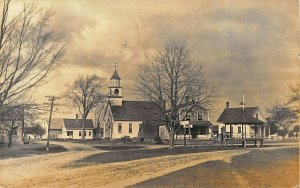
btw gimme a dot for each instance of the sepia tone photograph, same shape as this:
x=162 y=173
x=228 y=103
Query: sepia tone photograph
x=149 y=93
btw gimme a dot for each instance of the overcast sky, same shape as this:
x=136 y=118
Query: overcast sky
x=249 y=46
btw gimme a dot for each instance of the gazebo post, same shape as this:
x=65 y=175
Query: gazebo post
x=242 y=130
x=225 y=135
x=243 y=134
x=245 y=139
x=231 y=135
x=262 y=137
x=255 y=134
x=258 y=133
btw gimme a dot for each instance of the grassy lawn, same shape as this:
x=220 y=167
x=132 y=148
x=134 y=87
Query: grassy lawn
x=27 y=150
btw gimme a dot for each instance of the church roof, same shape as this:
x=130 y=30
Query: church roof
x=240 y=116
x=137 y=111
x=115 y=76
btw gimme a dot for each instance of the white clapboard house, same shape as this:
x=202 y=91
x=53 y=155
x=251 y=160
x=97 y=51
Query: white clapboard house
x=65 y=128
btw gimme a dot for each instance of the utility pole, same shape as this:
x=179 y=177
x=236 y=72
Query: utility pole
x=51 y=99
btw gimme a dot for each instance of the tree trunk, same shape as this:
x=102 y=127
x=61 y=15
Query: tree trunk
x=171 y=140
x=10 y=134
x=83 y=128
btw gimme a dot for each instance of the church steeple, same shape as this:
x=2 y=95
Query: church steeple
x=115 y=75
x=115 y=89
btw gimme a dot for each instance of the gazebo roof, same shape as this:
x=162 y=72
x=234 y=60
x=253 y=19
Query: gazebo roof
x=240 y=116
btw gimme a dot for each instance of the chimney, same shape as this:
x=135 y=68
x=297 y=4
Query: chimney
x=227 y=104
x=76 y=116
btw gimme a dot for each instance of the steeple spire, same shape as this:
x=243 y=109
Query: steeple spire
x=115 y=89
x=115 y=74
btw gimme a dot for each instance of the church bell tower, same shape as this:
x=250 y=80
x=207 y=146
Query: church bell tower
x=115 y=89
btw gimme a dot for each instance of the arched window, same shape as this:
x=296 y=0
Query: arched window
x=116 y=92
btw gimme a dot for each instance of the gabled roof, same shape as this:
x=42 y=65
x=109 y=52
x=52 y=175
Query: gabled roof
x=77 y=124
x=56 y=123
x=136 y=111
x=240 y=116
x=115 y=76
x=70 y=124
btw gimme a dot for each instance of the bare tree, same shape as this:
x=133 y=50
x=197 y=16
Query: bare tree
x=294 y=99
x=11 y=120
x=283 y=117
x=85 y=93
x=168 y=78
x=29 y=50
x=102 y=117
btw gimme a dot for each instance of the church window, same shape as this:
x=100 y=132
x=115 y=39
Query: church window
x=130 y=128
x=119 y=127
x=116 y=92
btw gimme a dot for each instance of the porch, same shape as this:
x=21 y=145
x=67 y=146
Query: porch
x=255 y=134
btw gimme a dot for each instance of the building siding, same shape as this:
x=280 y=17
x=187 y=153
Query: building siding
x=125 y=129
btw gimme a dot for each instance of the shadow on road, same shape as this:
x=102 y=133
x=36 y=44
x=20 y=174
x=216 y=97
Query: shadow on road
x=258 y=168
x=128 y=155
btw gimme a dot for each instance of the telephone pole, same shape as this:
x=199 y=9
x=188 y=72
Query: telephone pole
x=51 y=99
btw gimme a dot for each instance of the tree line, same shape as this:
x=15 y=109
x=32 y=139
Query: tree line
x=284 y=116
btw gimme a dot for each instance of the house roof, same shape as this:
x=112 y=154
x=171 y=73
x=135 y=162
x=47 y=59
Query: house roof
x=115 y=76
x=240 y=116
x=78 y=124
x=136 y=111
x=56 y=123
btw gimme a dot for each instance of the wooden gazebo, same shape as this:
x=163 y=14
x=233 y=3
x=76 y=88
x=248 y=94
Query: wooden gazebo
x=242 y=119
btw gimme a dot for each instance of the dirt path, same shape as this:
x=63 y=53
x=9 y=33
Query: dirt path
x=54 y=170
x=17 y=169
x=267 y=167
x=165 y=165
x=49 y=171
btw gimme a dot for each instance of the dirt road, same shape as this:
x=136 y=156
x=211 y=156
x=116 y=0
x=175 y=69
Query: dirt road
x=268 y=167
x=54 y=170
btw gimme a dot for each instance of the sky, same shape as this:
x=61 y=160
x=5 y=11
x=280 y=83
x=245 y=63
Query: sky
x=246 y=45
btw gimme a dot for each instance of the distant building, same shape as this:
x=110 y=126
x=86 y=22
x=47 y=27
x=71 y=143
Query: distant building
x=121 y=118
x=69 y=128
x=199 y=126
x=241 y=121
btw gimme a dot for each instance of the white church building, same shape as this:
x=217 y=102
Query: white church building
x=134 y=119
